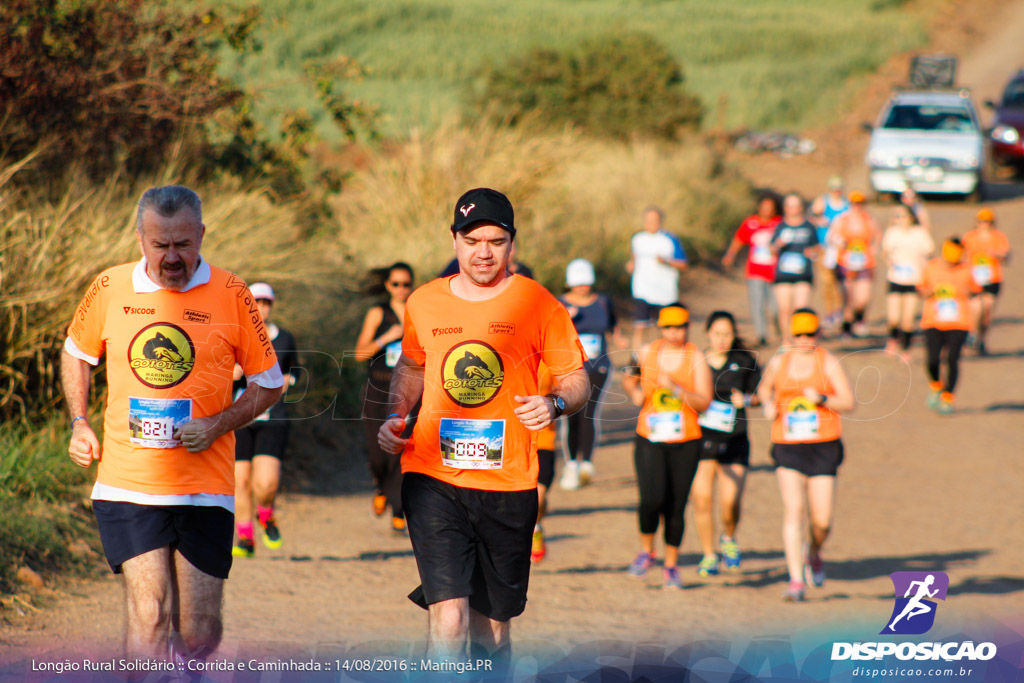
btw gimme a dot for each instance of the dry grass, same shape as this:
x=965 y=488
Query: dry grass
x=574 y=196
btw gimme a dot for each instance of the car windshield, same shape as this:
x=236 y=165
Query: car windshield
x=930 y=117
x=1014 y=95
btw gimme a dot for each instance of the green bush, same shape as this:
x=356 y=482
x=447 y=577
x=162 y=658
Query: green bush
x=110 y=82
x=39 y=513
x=612 y=85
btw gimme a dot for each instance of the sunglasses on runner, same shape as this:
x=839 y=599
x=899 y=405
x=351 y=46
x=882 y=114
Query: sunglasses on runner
x=805 y=334
x=405 y=283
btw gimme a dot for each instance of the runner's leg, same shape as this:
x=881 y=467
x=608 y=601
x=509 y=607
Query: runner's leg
x=243 y=498
x=784 y=302
x=730 y=493
x=793 y=489
x=651 y=479
x=682 y=466
x=758 y=304
x=198 y=604
x=955 y=340
x=493 y=636
x=147 y=583
x=703 y=488
x=820 y=502
x=448 y=628
x=266 y=478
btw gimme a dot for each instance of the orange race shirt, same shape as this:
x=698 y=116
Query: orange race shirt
x=664 y=417
x=858 y=236
x=986 y=250
x=477 y=355
x=169 y=359
x=798 y=420
x=947 y=290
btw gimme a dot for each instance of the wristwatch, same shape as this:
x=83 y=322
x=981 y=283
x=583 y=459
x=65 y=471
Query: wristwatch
x=558 y=402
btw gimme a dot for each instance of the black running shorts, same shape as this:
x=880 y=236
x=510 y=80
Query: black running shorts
x=895 y=288
x=547 y=467
x=992 y=288
x=201 y=533
x=810 y=459
x=734 y=451
x=261 y=438
x=470 y=543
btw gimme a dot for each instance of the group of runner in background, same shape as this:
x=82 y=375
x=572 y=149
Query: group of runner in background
x=692 y=427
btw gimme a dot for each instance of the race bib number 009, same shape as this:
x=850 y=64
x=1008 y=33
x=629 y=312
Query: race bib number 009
x=472 y=444
x=152 y=422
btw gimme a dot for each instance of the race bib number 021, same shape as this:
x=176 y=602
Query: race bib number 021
x=472 y=444
x=152 y=422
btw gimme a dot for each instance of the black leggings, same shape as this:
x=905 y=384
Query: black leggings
x=664 y=473
x=953 y=341
x=583 y=428
x=386 y=468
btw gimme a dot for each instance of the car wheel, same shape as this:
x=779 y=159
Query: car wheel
x=978 y=194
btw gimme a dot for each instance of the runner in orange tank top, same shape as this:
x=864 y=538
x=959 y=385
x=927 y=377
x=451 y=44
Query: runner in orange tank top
x=857 y=235
x=803 y=390
x=947 y=286
x=987 y=251
x=673 y=387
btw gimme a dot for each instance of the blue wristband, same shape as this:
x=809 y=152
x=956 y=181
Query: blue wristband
x=391 y=416
x=76 y=419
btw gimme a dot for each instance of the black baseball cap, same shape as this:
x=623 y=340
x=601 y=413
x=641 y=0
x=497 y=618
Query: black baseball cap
x=484 y=205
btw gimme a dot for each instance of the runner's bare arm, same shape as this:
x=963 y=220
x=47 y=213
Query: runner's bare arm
x=406 y=390
x=700 y=398
x=199 y=434
x=730 y=254
x=537 y=412
x=366 y=345
x=766 y=389
x=843 y=401
x=75 y=375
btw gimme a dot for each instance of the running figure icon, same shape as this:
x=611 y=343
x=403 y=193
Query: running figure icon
x=916 y=605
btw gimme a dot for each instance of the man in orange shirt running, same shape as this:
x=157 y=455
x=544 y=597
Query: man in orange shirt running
x=171 y=328
x=472 y=346
x=987 y=249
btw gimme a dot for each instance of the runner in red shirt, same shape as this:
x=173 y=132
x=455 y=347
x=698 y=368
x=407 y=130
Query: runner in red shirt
x=473 y=343
x=755 y=232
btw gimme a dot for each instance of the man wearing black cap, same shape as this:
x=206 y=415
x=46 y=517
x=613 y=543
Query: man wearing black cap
x=472 y=345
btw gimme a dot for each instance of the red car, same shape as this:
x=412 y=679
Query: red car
x=1008 y=129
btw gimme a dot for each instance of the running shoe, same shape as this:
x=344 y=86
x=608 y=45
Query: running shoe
x=271 y=534
x=570 y=480
x=398 y=525
x=244 y=548
x=730 y=554
x=380 y=504
x=945 y=407
x=795 y=592
x=539 y=549
x=934 y=399
x=982 y=351
x=860 y=330
x=640 y=565
x=586 y=472
x=672 y=578
x=815 y=570
x=708 y=566
x=892 y=346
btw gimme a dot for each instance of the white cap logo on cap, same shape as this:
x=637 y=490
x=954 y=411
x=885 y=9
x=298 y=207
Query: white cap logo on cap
x=466 y=209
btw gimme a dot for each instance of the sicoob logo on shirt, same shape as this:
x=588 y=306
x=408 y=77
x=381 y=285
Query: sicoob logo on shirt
x=161 y=355
x=472 y=374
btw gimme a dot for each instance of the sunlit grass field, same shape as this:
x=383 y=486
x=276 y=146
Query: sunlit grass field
x=754 y=63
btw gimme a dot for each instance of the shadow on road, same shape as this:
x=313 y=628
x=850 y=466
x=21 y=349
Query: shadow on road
x=589 y=510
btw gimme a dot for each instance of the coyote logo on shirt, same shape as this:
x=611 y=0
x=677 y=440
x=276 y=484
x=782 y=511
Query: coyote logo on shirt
x=472 y=374
x=161 y=355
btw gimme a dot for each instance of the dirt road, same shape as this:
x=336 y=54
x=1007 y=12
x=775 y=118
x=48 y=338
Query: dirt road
x=917 y=492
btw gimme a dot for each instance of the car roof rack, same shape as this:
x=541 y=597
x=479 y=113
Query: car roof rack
x=935 y=70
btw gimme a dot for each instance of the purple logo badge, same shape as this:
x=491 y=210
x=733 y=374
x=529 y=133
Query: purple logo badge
x=916 y=592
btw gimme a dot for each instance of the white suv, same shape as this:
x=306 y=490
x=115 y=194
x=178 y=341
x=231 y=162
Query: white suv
x=929 y=140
